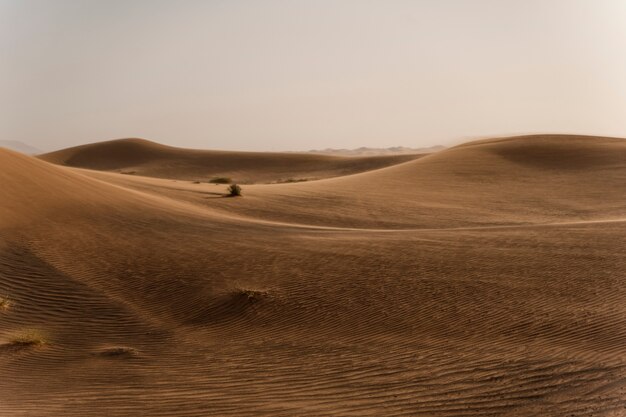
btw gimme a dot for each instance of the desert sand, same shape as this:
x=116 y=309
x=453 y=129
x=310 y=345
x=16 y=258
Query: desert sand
x=486 y=279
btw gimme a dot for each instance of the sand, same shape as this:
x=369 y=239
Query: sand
x=486 y=279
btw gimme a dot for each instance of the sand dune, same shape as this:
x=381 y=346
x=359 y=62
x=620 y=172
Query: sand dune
x=520 y=180
x=486 y=279
x=142 y=157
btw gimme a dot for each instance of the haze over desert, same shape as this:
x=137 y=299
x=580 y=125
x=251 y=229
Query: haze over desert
x=312 y=208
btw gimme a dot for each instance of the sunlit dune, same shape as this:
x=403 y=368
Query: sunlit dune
x=519 y=180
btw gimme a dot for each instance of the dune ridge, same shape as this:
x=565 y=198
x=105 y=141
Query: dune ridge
x=146 y=158
x=486 y=279
x=518 y=180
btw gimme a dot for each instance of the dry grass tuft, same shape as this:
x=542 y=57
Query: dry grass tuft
x=252 y=296
x=25 y=339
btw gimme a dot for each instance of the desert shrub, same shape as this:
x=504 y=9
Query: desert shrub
x=234 y=190
x=246 y=296
x=252 y=295
x=220 y=180
x=5 y=303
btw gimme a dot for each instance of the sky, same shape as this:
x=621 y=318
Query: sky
x=298 y=75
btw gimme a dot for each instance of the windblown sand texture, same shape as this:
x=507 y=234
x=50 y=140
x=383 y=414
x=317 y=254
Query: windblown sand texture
x=483 y=280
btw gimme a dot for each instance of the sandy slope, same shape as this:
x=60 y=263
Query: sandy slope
x=383 y=293
x=142 y=157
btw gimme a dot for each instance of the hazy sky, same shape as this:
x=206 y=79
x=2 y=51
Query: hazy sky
x=296 y=75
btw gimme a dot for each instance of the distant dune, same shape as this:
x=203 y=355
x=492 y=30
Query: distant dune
x=17 y=146
x=142 y=157
x=486 y=279
x=364 y=151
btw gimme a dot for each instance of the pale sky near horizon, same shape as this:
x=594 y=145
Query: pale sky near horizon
x=298 y=75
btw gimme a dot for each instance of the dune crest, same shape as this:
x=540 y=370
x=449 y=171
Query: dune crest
x=511 y=181
x=146 y=158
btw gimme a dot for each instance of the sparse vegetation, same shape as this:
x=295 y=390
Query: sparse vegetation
x=234 y=190
x=5 y=303
x=220 y=180
x=25 y=339
x=288 y=180
x=251 y=296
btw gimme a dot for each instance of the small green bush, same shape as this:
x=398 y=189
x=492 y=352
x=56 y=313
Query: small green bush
x=220 y=180
x=234 y=190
